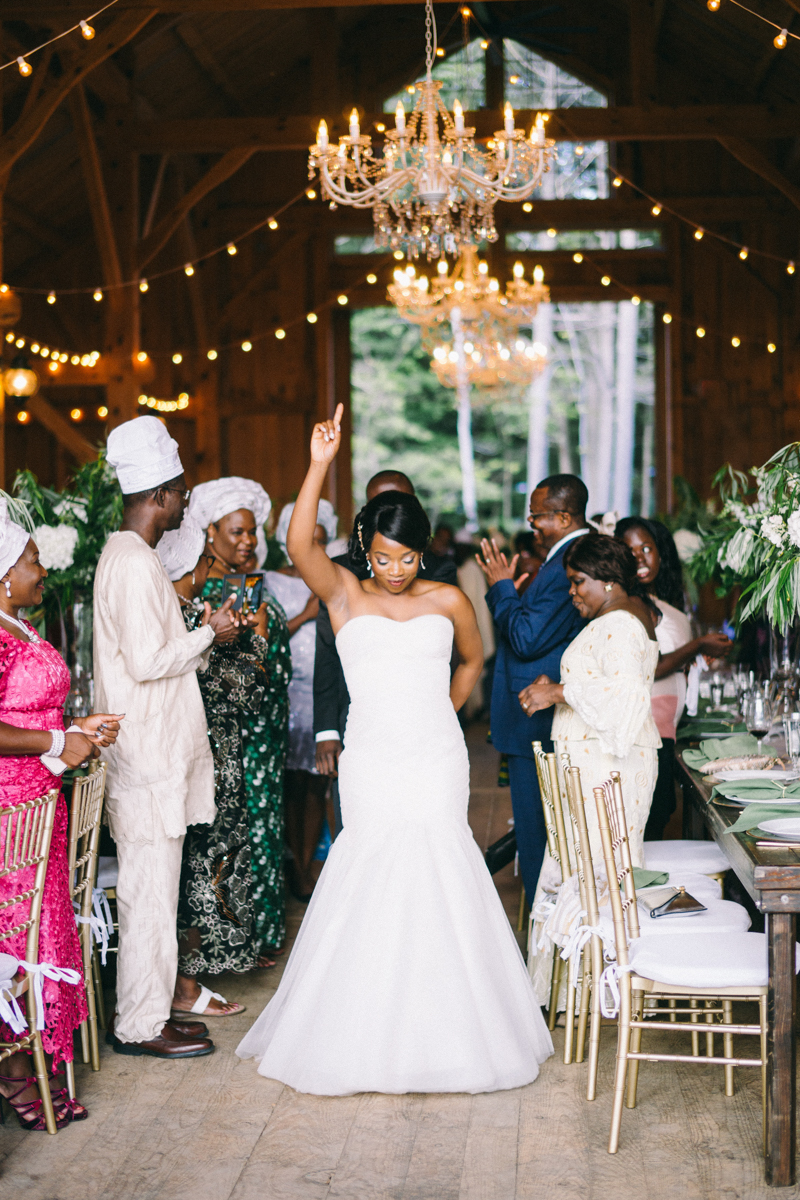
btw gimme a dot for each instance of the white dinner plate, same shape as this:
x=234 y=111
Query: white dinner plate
x=785 y=827
x=771 y=773
x=761 y=800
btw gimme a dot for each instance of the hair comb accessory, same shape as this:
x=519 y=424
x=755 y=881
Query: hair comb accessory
x=360 y=538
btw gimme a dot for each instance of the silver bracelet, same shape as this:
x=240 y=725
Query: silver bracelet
x=58 y=743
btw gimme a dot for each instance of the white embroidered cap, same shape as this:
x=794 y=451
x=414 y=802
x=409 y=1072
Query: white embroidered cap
x=179 y=549
x=13 y=537
x=326 y=517
x=212 y=501
x=143 y=454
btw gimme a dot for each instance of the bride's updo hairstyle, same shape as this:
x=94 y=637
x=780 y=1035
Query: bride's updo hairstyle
x=398 y=516
x=606 y=559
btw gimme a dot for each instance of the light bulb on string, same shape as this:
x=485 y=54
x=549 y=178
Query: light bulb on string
x=280 y=334
x=616 y=181
x=247 y=347
x=273 y=224
x=177 y=359
x=527 y=206
x=780 y=39
x=311 y=318
x=141 y=356
x=97 y=295
x=143 y=285
x=667 y=318
x=743 y=253
x=656 y=210
x=25 y=68
x=188 y=269
x=790 y=268
x=232 y=249
x=736 y=342
x=577 y=257
x=371 y=278
x=700 y=331
x=211 y=355
x=342 y=299
x=713 y=5
x=771 y=347
x=698 y=234
x=51 y=297
x=87 y=31
x=606 y=280
x=636 y=301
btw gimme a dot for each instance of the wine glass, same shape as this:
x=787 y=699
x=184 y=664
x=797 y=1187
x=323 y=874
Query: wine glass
x=758 y=716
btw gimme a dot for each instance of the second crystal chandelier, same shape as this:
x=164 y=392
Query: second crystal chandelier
x=432 y=192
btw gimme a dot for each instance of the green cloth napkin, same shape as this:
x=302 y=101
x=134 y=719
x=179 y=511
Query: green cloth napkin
x=642 y=878
x=759 y=789
x=710 y=748
x=754 y=814
x=704 y=727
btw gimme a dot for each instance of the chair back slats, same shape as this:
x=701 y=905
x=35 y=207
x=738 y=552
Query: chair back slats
x=547 y=804
x=582 y=847
x=615 y=899
x=84 y=835
x=25 y=834
x=558 y=813
x=622 y=851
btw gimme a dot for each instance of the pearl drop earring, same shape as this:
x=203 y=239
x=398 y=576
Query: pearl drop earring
x=194 y=581
x=8 y=587
x=609 y=587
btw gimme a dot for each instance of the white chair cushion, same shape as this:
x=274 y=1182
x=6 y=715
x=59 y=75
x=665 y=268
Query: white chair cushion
x=704 y=960
x=702 y=887
x=706 y=858
x=723 y=916
x=108 y=872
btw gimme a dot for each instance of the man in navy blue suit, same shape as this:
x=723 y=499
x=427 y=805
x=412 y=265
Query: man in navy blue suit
x=533 y=630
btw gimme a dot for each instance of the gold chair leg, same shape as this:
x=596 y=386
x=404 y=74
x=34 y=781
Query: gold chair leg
x=709 y=1004
x=100 y=1002
x=595 y=1023
x=583 y=1010
x=695 y=1036
x=555 y=987
x=40 y=1070
x=569 y=1015
x=635 y=1045
x=84 y=1028
x=521 y=917
x=623 y=1049
x=672 y=1016
x=69 y=1071
x=727 y=1044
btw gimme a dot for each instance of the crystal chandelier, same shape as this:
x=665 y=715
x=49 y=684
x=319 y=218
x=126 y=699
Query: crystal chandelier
x=467 y=299
x=433 y=190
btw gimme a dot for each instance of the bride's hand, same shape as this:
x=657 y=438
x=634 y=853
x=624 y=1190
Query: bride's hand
x=327 y=438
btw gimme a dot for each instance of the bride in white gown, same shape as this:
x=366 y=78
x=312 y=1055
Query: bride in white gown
x=405 y=976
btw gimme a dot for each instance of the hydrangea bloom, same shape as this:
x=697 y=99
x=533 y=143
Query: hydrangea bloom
x=793 y=528
x=774 y=529
x=56 y=545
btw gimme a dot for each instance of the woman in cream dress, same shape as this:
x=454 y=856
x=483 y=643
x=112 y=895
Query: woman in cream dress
x=603 y=718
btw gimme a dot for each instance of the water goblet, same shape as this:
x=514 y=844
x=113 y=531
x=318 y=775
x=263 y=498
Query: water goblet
x=758 y=716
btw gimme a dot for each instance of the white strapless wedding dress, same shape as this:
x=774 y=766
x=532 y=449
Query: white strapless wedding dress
x=405 y=976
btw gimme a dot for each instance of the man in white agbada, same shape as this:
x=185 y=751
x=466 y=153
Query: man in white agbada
x=160 y=773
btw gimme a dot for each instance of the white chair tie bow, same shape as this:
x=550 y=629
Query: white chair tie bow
x=100 y=921
x=42 y=971
x=609 y=983
x=10 y=1011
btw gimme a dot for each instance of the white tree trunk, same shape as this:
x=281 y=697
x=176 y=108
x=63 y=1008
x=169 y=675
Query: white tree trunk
x=466 y=451
x=539 y=400
x=627 y=326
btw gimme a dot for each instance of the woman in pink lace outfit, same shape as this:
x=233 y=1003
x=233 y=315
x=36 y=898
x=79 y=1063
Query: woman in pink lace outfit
x=34 y=682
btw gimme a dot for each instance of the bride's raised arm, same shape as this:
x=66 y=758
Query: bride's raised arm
x=325 y=578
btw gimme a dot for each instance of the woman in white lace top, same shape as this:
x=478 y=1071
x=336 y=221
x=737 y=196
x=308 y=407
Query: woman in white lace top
x=603 y=717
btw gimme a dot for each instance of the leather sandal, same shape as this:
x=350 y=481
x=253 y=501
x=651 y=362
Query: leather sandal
x=29 y=1112
x=201 y=1005
x=64 y=1104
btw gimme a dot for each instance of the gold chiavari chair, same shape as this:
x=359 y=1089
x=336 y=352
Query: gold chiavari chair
x=558 y=846
x=717 y=968
x=86 y=810
x=26 y=831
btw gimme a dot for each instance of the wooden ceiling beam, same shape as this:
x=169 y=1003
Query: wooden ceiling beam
x=23 y=218
x=750 y=156
x=66 y=10
x=61 y=429
x=105 y=237
x=624 y=123
x=209 y=65
x=228 y=165
x=76 y=65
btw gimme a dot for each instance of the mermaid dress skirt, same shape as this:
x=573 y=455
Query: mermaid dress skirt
x=405 y=976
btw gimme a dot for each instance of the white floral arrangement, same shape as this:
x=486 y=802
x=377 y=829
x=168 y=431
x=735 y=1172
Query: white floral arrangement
x=56 y=546
x=754 y=542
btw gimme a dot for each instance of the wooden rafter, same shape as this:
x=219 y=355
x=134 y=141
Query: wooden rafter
x=208 y=63
x=750 y=156
x=622 y=123
x=61 y=429
x=19 y=215
x=228 y=165
x=93 y=176
x=261 y=276
x=76 y=66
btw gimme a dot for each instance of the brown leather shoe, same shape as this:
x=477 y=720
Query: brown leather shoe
x=170 y=1043
x=192 y=1029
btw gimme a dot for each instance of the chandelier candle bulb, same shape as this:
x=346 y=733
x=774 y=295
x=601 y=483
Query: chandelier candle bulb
x=483 y=268
x=538 y=274
x=484 y=44
x=322 y=135
x=527 y=206
x=508 y=119
x=355 y=128
x=519 y=270
x=400 y=118
x=458 y=116
x=713 y=5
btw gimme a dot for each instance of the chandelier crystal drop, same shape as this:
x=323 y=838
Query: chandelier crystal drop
x=433 y=189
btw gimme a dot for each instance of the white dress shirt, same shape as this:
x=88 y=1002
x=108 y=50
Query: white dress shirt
x=576 y=533
x=160 y=775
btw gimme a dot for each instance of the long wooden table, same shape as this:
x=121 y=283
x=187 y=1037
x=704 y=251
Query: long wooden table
x=772 y=878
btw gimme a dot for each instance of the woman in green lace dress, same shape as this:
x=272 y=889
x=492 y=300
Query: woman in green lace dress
x=232 y=510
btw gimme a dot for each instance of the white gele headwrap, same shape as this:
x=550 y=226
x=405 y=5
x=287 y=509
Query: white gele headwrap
x=15 y=531
x=212 y=501
x=179 y=549
x=326 y=517
x=143 y=454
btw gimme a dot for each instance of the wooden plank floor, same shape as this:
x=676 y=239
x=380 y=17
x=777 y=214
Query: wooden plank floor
x=213 y=1129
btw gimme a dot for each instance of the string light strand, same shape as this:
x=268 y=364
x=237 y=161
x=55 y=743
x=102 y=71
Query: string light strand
x=84 y=26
